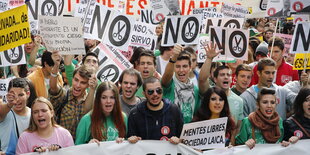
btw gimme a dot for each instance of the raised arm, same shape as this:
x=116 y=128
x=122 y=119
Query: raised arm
x=54 y=88
x=33 y=54
x=169 y=71
x=91 y=93
x=69 y=68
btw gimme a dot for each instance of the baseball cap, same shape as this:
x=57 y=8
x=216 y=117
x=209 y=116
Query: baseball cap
x=262 y=49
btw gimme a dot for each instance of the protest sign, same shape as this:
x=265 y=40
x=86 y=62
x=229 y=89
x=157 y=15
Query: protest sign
x=3 y=5
x=63 y=34
x=235 y=23
x=14 y=28
x=111 y=63
x=187 y=6
x=4 y=83
x=300 y=18
x=13 y=56
x=210 y=14
x=278 y=8
x=233 y=11
x=301 y=61
x=181 y=29
x=165 y=7
x=143 y=35
x=143 y=147
x=301 y=38
x=148 y=16
x=199 y=11
x=233 y=42
x=15 y=3
x=287 y=41
x=205 y=134
x=119 y=31
x=300 y=6
x=134 y=7
x=69 y=5
x=203 y=41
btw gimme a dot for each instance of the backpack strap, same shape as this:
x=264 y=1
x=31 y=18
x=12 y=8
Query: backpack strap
x=62 y=105
x=302 y=128
x=16 y=126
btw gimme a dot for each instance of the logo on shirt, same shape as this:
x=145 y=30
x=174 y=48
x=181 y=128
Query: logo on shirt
x=164 y=138
x=165 y=130
x=298 y=133
x=286 y=78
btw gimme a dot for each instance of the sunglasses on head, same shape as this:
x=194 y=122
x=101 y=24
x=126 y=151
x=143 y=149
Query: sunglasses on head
x=158 y=91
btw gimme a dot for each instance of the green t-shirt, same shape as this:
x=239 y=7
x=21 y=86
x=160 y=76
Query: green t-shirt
x=139 y=92
x=83 y=131
x=39 y=55
x=186 y=108
x=235 y=106
x=246 y=133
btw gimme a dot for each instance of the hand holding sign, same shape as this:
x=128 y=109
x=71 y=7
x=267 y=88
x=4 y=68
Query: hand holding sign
x=250 y=143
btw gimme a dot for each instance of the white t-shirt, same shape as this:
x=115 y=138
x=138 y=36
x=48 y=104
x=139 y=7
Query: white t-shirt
x=163 y=64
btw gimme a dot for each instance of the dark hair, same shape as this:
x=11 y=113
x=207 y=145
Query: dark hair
x=265 y=62
x=149 y=80
x=184 y=57
x=269 y=30
x=277 y=42
x=136 y=55
x=147 y=53
x=162 y=49
x=204 y=112
x=33 y=93
x=251 y=22
x=218 y=69
x=254 y=42
x=190 y=50
x=90 y=54
x=98 y=119
x=242 y=67
x=84 y=72
x=26 y=85
x=265 y=91
x=47 y=57
x=132 y=72
x=23 y=70
x=299 y=100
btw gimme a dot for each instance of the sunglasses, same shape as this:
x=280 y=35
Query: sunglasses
x=158 y=91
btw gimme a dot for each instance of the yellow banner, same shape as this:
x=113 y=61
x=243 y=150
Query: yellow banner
x=14 y=28
x=299 y=60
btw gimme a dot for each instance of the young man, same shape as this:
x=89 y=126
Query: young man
x=70 y=105
x=14 y=115
x=284 y=71
x=40 y=77
x=178 y=88
x=156 y=118
x=243 y=79
x=129 y=81
x=222 y=79
x=266 y=69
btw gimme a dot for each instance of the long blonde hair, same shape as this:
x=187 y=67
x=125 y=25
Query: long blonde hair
x=32 y=125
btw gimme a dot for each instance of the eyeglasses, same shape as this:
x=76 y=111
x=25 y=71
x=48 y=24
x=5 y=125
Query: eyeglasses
x=158 y=91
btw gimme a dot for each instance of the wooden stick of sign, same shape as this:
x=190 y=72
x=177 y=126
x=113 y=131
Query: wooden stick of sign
x=273 y=37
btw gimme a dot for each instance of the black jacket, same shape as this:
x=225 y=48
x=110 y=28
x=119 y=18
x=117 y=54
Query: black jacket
x=150 y=125
x=292 y=129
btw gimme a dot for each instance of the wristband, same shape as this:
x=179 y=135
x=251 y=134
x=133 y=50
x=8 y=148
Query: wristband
x=54 y=75
x=171 y=61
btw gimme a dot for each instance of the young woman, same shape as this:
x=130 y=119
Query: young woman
x=264 y=125
x=215 y=105
x=43 y=133
x=299 y=124
x=105 y=122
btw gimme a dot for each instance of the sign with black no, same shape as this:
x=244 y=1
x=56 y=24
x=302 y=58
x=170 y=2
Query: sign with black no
x=233 y=42
x=14 y=56
x=301 y=38
x=235 y=23
x=181 y=29
x=111 y=63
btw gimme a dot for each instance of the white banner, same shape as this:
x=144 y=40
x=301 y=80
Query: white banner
x=111 y=63
x=278 y=8
x=205 y=134
x=181 y=29
x=199 y=11
x=300 y=18
x=143 y=147
x=235 y=23
x=12 y=57
x=300 y=148
x=150 y=17
x=4 y=84
x=165 y=7
x=234 y=11
x=301 y=38
x=63 y=34
x=204 y=40
x=300 y=6
x=143 y=35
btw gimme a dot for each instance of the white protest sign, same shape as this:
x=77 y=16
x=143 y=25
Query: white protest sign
x=165 y=7
x=300 y=6
x=3 y=5
x=203 y=41
x=199 y=11
x=63 y=34
x=148 y=16
x=181 y=29
x=233 y=42
x=210 y=14
x=205 y=134
x=143 y=35
x=14 y=56
x=278 y=8
x=301 y=38
x=235 y=23
x=233 y=11
x=111 y=63
x=4 y=84
x=300 y=18
x=119 y=31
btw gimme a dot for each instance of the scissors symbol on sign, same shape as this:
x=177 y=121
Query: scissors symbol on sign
x=189 y=33
x=13 y=54
x=237 y=48
x=120 y=29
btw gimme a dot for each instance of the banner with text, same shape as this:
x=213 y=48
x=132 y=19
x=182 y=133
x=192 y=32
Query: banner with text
x=205 y=134
x=300 y=6
x=111 y=63
x=301 y=61
x=233 y=10
x=63 y=34
x=301 y=18
x=143 y=35
x=14 y=28
x=235 y=23
x=301 y=38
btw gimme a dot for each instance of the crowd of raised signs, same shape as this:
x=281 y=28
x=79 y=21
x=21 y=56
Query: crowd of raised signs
x=56 y=101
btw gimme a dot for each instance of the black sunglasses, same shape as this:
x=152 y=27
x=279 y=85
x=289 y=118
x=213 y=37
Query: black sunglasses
x=158 y=91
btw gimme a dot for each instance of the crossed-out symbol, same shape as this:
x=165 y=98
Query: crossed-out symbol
x=120 y=29
x=236 y=47
x=189 y=33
